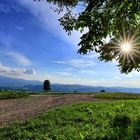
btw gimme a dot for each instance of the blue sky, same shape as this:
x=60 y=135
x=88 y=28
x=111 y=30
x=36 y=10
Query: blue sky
x=34 y=46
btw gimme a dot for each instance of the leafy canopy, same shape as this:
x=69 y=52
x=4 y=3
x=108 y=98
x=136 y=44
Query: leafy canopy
x=115 y=20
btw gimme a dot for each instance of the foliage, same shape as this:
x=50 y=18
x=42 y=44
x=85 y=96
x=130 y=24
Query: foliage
x=47 y=85
x=117 y=95
x=104 y=19
x=102 y=90
x=86 y=121
x=12 y=94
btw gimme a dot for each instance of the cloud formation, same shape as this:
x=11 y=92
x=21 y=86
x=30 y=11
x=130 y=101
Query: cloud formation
x=9 y=7
x=78 y=63
x=18 y=27
x=8 y=71
x=48 y=20
x=18 y=58
x=88 y=71
x=64 y=73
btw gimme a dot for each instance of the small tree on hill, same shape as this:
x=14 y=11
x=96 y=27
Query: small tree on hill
x=102 y=90
x=47 y=85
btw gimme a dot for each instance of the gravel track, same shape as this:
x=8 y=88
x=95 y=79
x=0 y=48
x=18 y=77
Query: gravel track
x=23 y=108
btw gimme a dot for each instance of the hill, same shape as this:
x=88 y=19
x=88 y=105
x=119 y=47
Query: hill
x=81 y=88
x=36 y=86
x=14 y=83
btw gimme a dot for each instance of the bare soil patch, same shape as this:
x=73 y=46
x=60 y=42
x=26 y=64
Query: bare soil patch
x=23 y=108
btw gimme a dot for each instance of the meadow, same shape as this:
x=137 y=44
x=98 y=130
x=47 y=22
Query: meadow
x=118 y=120
x=12 y=94
x=109 y=116
x=117 y=95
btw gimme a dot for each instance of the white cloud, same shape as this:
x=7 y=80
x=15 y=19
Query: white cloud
x=88 y=71
x=7 y=50
x=64 y=73
x=4 y=8
x=73 y=79
x=114 y=62
x=117 y=78
x=9 y=7
x=69 y=69
x=8 y=71
x=78 y=63
x=30 y=71
x=60 y=62
x=135 y=72
x=81 y=63
x=121 y=83
x=93 y=55
x=129 y=75
x=18 y=27
x=48 y=20
x=18 y=58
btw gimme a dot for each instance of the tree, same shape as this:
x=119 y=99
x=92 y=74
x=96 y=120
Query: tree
x=102 y=90
x=47 y=85
x=116 y=20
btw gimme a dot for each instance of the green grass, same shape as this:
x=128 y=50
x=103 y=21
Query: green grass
x=119 y=120
x=117 y=96
x=12 y=94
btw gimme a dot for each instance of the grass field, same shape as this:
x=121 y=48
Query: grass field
x=117 y=120
x=105 y=95
x=117 y=95
x=12 y=94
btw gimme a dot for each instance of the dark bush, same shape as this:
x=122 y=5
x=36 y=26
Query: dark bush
x=102 y=91
x=121 y=121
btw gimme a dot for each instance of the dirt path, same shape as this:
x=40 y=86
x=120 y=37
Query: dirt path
x=23 y=108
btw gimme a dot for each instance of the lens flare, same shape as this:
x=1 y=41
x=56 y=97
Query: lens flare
x=126 y=47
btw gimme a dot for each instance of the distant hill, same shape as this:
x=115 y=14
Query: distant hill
x=12 y=82
x=81 y=88
x=36 y=86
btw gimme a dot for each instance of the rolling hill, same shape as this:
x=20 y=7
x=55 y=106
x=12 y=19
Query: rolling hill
x=36 y=86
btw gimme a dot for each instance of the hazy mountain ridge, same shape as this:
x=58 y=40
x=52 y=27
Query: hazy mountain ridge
x=81 y=88
x=12 y=82
x=36 y=86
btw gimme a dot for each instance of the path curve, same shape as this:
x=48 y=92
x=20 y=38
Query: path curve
x=23 y=108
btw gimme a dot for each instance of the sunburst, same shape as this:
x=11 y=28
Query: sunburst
x=128 y=47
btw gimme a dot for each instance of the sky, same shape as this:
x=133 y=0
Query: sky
x=33 y=46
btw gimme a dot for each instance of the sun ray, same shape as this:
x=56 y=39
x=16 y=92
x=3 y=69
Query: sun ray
x=128 y=47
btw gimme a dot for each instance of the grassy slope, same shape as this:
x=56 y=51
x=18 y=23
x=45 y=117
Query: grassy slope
x=12 y=94
x=114 y=120
x=106 y=95
x=117 y=96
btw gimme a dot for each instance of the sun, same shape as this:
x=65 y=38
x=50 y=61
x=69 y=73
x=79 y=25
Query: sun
x=126 y=47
